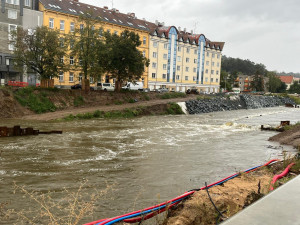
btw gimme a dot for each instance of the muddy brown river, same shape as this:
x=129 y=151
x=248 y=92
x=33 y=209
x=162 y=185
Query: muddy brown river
x=148 y=160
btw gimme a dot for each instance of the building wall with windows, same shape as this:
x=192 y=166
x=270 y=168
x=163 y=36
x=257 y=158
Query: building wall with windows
x=212 y=67
x=64 y=16
x=184 y=68
x=13 y=14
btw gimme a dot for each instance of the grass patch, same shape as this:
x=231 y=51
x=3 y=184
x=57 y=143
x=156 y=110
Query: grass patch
x=78 y=101
x=172 y=95
x=295 y=99
x=289 y=127
x=118 y=102
x=174 y=109
x=131 y=100
x=35 y=101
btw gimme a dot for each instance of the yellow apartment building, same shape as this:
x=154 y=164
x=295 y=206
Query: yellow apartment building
x=64 y=15
x=212 y=66
x=177 y=60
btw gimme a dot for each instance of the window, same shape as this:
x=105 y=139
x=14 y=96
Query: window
x=207 y=54
x=213 y=55
x=144 y=40
x=62 y=59
x=218 y=64
x=194 y=78
x=218 y=56
x=153 y=65
x=179 y=49
x=51 y=23
x=207 y=63
x=195 y=51
x=71 y=60
x=164 y=76
x=155 y=44
x=186 y=77
x=72 y=27
x=62 y=42
x=179 y=58
x=194 y=70
x=61 y=76
x=195 y=60
x=187 y=69
x=12 y=14
x=217 y=80
x=165 y=46
x=177 y=77
x=80 y=77
x=15 y=2
x=108 y=31
x=27 y=3
x=154 y=54
x=153 y=75
x=91 y=80
x=144 y=53
x=187 y=50
x=164 y=66
x=11 y=46
x=72 y=42
x=0 y=60
x=206 y=71
x=71 y=77
x=217 y=72
x=178 y=68
x=81 y=26
x=11 y=28
x=211 y=79
x=187 y=60
x=212 y=71
x=206 y=79
x=116 y=32
x=165 y=56
x=62 y=25
x=213 y=64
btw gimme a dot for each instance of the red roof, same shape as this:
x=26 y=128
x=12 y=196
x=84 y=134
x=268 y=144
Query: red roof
x=287 y=79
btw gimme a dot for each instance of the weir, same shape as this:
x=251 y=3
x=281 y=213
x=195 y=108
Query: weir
x=216 y=104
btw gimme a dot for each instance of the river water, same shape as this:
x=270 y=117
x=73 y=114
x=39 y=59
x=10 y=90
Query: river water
x=148 y=160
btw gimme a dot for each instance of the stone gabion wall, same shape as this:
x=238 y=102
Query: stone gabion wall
x=234 y=103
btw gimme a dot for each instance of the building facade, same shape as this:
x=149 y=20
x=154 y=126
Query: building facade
x=177 y=60
x=13 y=14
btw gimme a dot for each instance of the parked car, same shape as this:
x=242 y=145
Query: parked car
x=162 y=89
x=78 y=86
x=105 y=86
x=192 y=91
x=134 y=86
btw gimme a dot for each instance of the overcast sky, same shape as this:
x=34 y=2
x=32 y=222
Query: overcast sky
x=264 y=31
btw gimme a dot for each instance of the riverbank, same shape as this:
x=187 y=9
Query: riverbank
x=234 y=195
x=52 y=104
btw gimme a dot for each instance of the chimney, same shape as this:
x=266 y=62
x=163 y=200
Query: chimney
x=179 y=29
x=105 y=7
x=132 y=14
x=184 y=29
x=192 y=32
x=113 y=9
x=117 y=11
x=156 y=22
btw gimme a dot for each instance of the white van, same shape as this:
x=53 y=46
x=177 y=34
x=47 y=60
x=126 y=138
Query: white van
x=134 y=86
x=105 y=86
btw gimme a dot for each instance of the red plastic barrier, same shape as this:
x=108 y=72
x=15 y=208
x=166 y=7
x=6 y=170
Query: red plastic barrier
x=17 y=84
x=279 y=176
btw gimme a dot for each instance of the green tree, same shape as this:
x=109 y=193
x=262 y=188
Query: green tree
x=274 y=84
x=122 y=60
x=41 y=51
x=225 y=81
x=257 y=84
x=295 y=88
x=85 y=43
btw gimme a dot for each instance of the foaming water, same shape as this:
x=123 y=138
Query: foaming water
x=143 y=157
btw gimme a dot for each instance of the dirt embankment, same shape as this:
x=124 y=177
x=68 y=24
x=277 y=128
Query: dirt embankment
x=229 y=198
x=77 y=101
x=289 y=137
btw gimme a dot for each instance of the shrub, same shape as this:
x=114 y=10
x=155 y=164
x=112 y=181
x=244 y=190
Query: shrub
x=78 y=101
x=174 y=109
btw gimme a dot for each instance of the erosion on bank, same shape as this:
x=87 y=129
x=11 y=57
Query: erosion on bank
x=289 y=137
x=229 y=198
